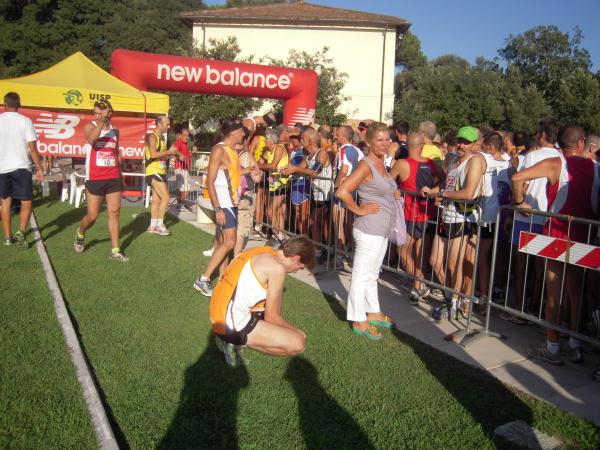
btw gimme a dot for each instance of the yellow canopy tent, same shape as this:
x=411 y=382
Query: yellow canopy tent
x=76 y=83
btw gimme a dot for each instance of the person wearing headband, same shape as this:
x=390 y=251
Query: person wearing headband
x=223 y=185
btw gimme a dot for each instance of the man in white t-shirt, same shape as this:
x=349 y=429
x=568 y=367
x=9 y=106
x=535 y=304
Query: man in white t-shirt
x=17 y=144
x=535 y=196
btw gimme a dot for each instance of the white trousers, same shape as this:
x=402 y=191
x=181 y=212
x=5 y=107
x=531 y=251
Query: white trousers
x=363 y=298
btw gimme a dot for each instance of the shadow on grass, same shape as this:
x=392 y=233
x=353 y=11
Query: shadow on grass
x=65 y=220
x=207 y=413
x=324 y=423
x=489 y=402
x=134 y=229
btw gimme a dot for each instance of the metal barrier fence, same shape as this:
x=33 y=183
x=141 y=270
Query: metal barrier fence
x=298 y=205
x=447 y=249
x=185 y=179
x=441 y=254
x=557 y=259
x=510 y=247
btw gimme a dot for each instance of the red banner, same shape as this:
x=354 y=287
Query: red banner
x=150 y=71
x=61 y=133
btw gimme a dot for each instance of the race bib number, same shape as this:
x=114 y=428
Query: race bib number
x=162 y=164
x=105 y=159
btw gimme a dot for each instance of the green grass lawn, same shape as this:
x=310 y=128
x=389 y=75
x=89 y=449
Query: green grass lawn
x=41 y=405
x=147 y=334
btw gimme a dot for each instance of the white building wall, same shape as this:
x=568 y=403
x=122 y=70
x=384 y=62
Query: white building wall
x=359 y=52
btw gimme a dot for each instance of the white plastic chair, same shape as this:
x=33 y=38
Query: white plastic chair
x=77 y=189
x=64 y=164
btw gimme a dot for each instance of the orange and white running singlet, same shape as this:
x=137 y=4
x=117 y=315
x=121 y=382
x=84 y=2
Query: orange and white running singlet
x=238 y=294
x=227 y=181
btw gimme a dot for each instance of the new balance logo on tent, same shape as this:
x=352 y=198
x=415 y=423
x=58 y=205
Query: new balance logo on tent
x=60 y=127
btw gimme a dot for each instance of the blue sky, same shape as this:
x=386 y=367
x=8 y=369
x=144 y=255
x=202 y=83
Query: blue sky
x=471 y=28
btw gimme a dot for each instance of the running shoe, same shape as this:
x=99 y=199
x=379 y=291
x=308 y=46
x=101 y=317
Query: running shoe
x=240 y=359
x=203 y=286
x=79 y=244
x=572 y=354
x=437 y=294
x=20 y=240
x=420 y=294
x=151 y=230
x=7 y=241
x=161 y=230
x=228 y=350
x=208 y=252
x=541 y=352
x=118 y=256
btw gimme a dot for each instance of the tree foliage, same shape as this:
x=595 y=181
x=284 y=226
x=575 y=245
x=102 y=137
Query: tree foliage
x=541 y=72
x=452 y=93
x=331 y=83
x=545 y=56
x=408 y=53
x=559 y=67
x=38 y=33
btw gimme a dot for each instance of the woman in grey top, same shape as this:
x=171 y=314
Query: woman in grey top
x=375 y=218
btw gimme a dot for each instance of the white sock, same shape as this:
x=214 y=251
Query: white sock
x=159 y=222
x=454 y=303
x=574 y=343
x=203 y=278
x=553 y=347
x=153 y=223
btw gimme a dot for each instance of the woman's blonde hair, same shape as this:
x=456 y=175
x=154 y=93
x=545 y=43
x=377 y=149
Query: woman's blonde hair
x=374 y=128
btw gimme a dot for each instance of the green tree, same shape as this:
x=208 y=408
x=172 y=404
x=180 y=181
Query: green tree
x=559 y=67
x=203 y=110
x=524 y=106
x=408 y=53
x=36 y=34
x=331 y=83
x=579 y=95
x=452 y=93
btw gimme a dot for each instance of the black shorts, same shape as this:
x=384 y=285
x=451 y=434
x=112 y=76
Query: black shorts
x=276 y=192
x=318 y=203
x=487 y=231
x=456 y=230
x=241 y=337
x=155 y=176
x=417 y=229
x=104 y=187
x=17 y=184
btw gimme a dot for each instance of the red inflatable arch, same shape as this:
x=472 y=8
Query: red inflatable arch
x=148 y=71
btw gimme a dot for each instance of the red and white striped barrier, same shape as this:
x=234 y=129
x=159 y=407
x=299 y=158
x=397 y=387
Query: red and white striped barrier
x=582 y=255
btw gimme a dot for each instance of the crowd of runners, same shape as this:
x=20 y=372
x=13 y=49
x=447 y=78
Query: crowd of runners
x=367 y=195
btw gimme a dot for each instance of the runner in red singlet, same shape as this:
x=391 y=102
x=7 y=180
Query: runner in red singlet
x=103 y=178
x=417 y=174
x=573 y=185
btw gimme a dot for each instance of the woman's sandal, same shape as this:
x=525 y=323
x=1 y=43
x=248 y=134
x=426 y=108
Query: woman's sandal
x=371 y=333
x=385 y=323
